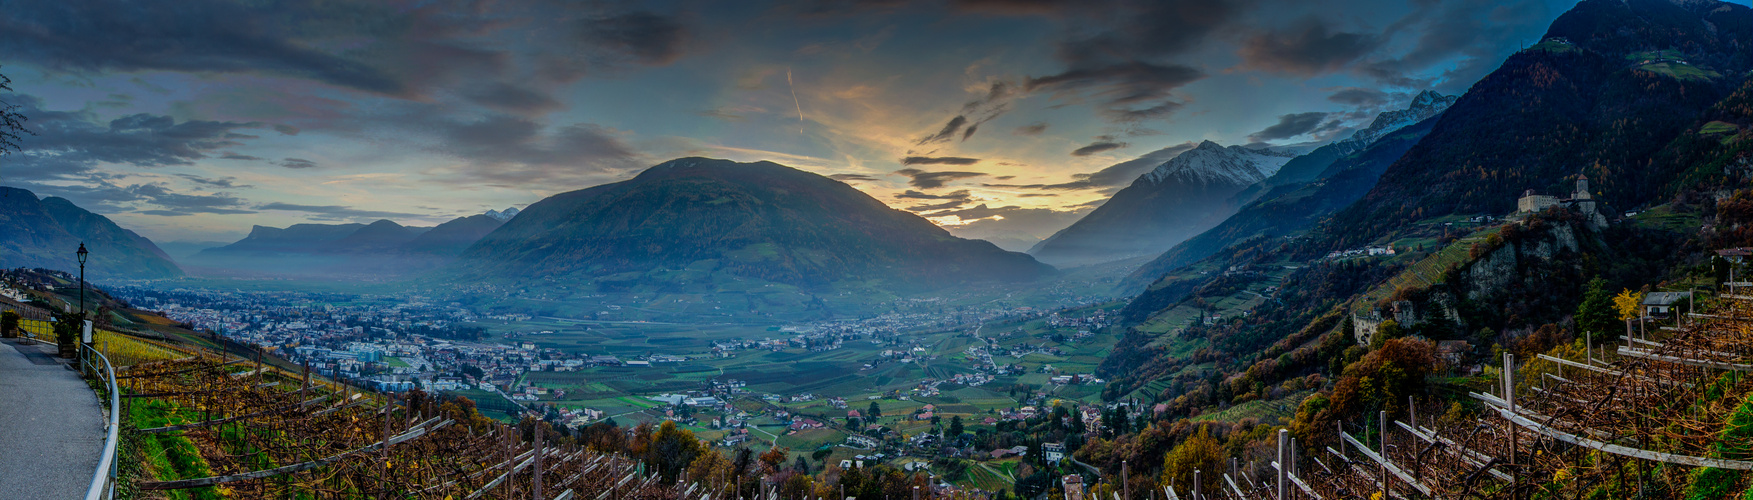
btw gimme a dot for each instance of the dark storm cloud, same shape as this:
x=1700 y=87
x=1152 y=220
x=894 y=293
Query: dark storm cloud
x=1097 y=147
x=960 y=194
x=334 y=212
x=934 y=180
x=1113 y=177
x=1031 y=129
x=938 y=160
x=295 y=163
x=1478 y=32
x=1308 y=49
x=508 y=149
x=1013 y=7
x=184 y=204
x=405 y=51
x=1127 y=92
x=71 y=142
x=851 y=177
x=211 y=36
x=1290 y=125
x=96 y=193
x=1360 y=97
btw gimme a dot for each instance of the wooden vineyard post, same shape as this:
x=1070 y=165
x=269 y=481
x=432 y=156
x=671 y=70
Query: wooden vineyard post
x=1282 y=434
x=536 y=477
x=1382 y=438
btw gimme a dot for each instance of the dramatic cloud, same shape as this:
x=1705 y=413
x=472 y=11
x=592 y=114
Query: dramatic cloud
x=934 y=180
x=70 y=142
x=949 y=131
x=335 y=212
x=214 y=36
x=851 y=177
x=961 y=194
x=295 y=163
x=1309 y=49
x=515 y=150
x=223 y=182
x=1128 y=92
x=1289 y=126
x=1097 y=147
x=1360 y=97
x=994 y=103
x=940 y=160
x=1032 y=129
x=172 y=203
x=1469 y=36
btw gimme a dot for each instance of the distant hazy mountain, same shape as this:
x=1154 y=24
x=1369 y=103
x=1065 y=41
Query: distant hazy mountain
x=751 y=220
x=1180 y=198
x=46 y=233
x=1313 y=165
x=183 y=250
x=381 y=247
x=451 y=238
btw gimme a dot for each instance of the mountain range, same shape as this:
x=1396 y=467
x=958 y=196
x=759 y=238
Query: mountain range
x=1619 y=91
x=1180 y=198
x=382 y=247
x=46 y=233
x=718 y=219
x=1325 y=181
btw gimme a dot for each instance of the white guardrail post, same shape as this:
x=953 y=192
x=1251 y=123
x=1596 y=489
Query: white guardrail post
x=103 y=480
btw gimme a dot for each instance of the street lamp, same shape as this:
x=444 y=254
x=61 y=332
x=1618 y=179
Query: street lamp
x=82 y=253
x=79 y=333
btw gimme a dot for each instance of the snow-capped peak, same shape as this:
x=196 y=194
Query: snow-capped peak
x=1425 y=105
x=502 y=216
x=1211 y=163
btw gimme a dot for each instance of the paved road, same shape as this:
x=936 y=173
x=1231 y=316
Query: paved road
x=51 y=426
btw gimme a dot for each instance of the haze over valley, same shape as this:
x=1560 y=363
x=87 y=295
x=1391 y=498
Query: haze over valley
x=958 y=249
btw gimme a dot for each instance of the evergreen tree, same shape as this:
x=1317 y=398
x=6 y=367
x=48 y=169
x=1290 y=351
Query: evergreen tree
x=955 y=430
x=1595 y=314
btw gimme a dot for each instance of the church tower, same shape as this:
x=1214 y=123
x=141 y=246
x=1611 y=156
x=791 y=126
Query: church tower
x=1582 y=188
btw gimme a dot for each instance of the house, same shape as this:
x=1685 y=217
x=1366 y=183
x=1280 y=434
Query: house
x=858 y=441
x=1073 y=486
x=1663 y=303
x=1053 y=451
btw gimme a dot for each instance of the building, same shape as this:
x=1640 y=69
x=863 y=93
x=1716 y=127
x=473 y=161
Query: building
x=858 y=441
x=1073 y=486
x=1054 y=452
x=1580 y=200
x=1663 y=303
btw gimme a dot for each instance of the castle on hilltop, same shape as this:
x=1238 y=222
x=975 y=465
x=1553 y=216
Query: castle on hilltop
x=1580 y=201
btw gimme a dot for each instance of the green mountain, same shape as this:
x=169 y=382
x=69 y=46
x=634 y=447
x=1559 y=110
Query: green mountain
x=750 y=220
x=1617 y=91
x=45 y=233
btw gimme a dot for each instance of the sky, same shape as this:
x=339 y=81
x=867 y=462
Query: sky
x=194 y=120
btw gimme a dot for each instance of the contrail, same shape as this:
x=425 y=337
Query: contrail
x=794 y=101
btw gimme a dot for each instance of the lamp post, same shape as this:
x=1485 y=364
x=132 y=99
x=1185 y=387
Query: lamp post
x=82 y=253
x=79 y=328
